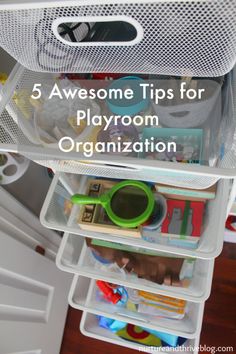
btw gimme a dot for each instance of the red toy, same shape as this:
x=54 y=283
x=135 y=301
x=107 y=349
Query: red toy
x=229 y=223
x=108 y=291
x=183 y=218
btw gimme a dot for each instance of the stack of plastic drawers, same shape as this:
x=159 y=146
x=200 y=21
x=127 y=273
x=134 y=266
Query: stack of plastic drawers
x=176 y=38
x=75 y=257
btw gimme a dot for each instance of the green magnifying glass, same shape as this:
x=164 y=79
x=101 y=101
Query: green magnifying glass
x=128 y=204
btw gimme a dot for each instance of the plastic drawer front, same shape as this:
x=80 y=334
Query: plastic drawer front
x=83 y=297
x=168 y=36
x=89 y=327
x=210 y=243
x=75 y=257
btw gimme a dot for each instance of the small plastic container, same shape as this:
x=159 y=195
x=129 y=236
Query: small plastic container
x=75 y=257
x=82 y=296
x=90 y=328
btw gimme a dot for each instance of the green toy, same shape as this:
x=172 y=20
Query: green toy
x=128 y=203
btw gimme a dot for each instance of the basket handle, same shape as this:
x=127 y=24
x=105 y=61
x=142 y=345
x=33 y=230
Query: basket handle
x=105 y=30
x=112 y=165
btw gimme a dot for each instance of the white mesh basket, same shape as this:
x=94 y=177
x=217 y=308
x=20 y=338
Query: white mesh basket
x=83 y=296
x=210 y=243
x=172 y=37
x=89 y=327
x=17 y=134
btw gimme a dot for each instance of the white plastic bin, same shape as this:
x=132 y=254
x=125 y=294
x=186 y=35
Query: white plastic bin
x=75 y=257
x=210 y=242
x=18 y=134
x=89 y=327
x=168 y=36
x=82 y=296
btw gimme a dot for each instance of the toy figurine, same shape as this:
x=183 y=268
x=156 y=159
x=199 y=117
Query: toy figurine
x=112 y=293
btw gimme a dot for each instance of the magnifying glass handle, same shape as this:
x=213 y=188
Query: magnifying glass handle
x=85 y=199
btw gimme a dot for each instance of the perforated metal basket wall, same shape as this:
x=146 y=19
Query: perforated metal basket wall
x=174 y=37
x=15 y=135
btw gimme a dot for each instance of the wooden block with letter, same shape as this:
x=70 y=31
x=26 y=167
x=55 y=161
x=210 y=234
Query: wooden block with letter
x=94 y=217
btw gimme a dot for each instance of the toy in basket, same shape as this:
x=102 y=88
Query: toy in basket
x=183 y=218
x=132 y=208
x=166 y=269
x=141 y=335
x=140 y=301
x=204 y=111
x=127 y=204
x=116 y=207
x=182 y=225
x=173 y=192
x=183 y=145
x=187 y=111
x=46 y=120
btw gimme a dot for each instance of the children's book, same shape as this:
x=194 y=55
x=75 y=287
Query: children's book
x=128 y=248
x=173 y=192
x=184 y=218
